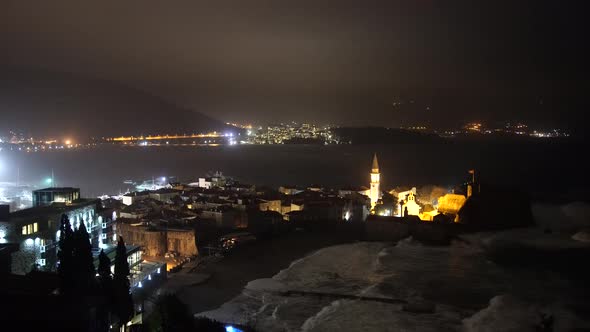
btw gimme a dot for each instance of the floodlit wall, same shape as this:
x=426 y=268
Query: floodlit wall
x=451 y=203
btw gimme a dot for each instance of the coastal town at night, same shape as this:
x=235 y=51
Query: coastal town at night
x=294 y=166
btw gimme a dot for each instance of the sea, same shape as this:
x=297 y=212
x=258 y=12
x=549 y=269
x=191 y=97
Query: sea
x=550 y=168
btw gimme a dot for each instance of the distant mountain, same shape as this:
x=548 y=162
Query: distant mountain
x=381 y=135
x=45 y=103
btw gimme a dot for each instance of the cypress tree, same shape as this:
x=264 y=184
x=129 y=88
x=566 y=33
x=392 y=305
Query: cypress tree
x=84 y=262
x=123 y=306
x=106 y=288
x=104 y=267
x=65 y=255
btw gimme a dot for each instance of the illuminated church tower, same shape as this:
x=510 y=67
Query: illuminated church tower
x=374 y=192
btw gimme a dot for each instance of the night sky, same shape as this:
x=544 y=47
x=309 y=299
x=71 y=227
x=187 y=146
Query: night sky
x=343 y=62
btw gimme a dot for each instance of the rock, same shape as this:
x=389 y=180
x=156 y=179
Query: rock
x=497 y=207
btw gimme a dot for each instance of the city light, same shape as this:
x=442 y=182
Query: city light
x=229 y=328
x=347 y=216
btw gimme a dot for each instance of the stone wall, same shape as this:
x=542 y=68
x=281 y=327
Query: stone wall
x=377 y=230
x=159 y=242
x=451 y=203
x=183 y=242
x=154 y=243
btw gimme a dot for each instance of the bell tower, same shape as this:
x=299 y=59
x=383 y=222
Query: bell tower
x=374 y=191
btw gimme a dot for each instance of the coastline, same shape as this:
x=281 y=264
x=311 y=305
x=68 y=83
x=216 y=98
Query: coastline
x=262 y=259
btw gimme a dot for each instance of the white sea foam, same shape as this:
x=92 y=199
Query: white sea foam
x=508 y=313
x=457 y=279
x=568 y=217
x=532 y=237
x=348 y=315
x=343 y=268
x=269 y=285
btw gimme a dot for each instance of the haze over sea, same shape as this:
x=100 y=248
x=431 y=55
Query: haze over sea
x=545 y=167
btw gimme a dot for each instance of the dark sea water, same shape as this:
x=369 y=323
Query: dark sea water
x=548 y=167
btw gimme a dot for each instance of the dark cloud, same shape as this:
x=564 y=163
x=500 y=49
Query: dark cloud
x=329 y=61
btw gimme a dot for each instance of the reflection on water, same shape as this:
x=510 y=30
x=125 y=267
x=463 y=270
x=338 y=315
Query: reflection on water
x=104 y=170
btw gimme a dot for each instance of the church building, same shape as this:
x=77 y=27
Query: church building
x=374 y=191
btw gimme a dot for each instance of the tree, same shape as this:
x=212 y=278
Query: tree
x=123 y=302
x=65 y=255
x=171 y=314
x=105 y=282
x=104 y=266
x=84 y=262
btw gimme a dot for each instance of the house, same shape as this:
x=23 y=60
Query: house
x=164 y=194
x=224 y=216
x=36 y=230
x=130 y=198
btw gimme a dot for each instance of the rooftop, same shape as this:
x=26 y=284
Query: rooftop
x=165 y=191
x=57 y=189
x=53 y=208
x=138 y=193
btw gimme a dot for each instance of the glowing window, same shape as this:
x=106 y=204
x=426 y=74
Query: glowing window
x=24 y=231
x=35 y=227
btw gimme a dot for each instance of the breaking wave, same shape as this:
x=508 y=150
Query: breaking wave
x=371 y=286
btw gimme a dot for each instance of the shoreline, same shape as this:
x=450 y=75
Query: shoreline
x=262 y=259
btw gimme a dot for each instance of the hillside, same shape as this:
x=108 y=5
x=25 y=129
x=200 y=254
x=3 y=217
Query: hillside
x=46 y=103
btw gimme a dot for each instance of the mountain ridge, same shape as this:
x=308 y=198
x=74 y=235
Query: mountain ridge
x=44 y=103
